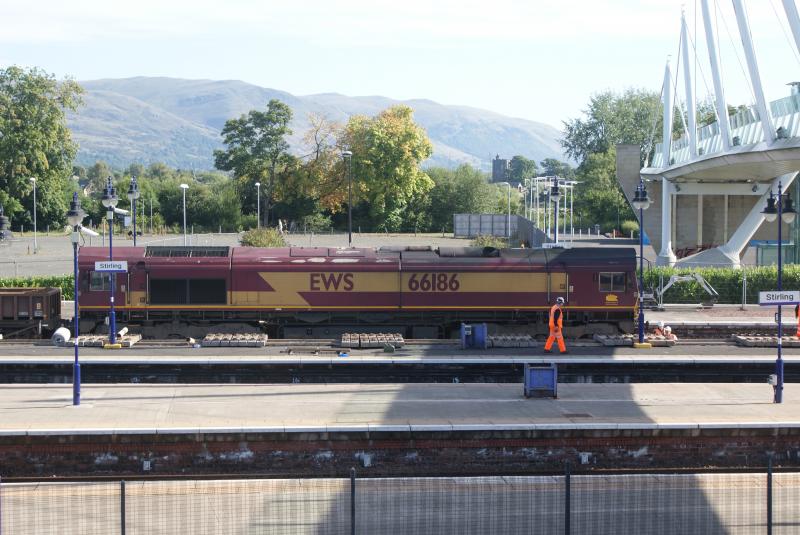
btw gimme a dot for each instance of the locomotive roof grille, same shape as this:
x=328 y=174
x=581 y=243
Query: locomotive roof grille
x=190 y=251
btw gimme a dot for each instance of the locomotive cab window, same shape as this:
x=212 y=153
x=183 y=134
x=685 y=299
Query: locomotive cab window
x=612 y=282
x=99 y=281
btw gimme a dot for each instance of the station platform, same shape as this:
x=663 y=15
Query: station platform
x=280 y=355
x=40 y=410
x=391 y=428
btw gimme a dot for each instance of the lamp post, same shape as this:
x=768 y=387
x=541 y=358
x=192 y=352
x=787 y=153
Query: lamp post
x=110 y=201
x=348 y=157
x=555 y=195
x=184 y=187
x=75 y=216
x=784 y=213
x=35 y=242
x=133 y=194
x=641 y=202
x=508 y=214
x=258 y=204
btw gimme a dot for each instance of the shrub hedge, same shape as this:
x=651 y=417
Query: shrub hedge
x=726 y=281
x=65 y=282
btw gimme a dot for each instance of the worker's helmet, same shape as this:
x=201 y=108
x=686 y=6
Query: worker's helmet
x=660 y=324
x=560 y=301
x=667 y=329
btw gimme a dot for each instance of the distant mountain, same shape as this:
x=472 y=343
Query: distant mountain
x=178 y=122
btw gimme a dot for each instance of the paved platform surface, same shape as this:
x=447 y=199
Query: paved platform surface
x=46 y=409
x=281 y=355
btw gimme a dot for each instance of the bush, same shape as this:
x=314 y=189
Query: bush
x=630 y=226
x=489 y=241
x=316 y=223
x=65 y=282
x=263 y=237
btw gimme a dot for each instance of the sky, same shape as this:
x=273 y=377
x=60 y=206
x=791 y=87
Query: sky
x=536 y=59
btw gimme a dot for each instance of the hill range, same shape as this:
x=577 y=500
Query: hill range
x=178 y=122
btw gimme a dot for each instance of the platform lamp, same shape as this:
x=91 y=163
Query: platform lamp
x=782 y=209
x=75 y=216
x=133 y=194
x=258 y=204
x=348 y=157
x=555 y=195
x=184 y=187
x=110 y=201
x=641 y=202
x=35 y=241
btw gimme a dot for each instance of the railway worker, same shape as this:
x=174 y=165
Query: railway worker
x=797 y=316
x=556 y=324
x=659 y=330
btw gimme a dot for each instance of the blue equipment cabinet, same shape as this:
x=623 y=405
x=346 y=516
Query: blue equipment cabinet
x=474 y=336
x=541 y=381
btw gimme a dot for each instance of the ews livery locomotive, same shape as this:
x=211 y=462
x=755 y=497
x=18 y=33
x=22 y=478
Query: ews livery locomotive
x=318 y=292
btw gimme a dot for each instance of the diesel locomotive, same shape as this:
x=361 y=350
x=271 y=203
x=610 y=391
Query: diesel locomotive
x=319 y=292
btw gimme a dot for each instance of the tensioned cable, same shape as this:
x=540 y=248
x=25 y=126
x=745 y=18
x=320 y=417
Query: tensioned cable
x=783 y=29
x=736 y=53
x=702 y=75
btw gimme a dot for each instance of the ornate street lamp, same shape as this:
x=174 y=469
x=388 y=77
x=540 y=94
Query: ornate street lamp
x=555 y=195
x=110 y=201
x=133 y=194
x=782 y=209
x=75 y=216
x=641 y=202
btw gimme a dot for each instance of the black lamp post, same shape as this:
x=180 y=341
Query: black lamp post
x=641 y=202
x=555 y=195
x=133 y=194
x=782 y=209
x=110 y=201
x=75 y=216
x=348 y=156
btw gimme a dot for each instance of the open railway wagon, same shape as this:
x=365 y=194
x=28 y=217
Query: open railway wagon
x=316 y=292
x=29 y=312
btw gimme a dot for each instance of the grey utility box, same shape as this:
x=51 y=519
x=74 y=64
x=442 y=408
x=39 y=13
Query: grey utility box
x=541 y=381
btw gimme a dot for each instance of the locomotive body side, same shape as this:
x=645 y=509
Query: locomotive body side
x=288 y=288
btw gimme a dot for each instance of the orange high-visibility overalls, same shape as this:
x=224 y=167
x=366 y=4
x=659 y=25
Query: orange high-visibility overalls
x=797 y=315
x=556 y=324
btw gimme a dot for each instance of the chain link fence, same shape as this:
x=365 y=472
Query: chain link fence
x=741 y=503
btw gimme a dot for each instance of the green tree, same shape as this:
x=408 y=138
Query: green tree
x=464 y=190
x=522 y=168
x=387 y=151
x=598 y=197
x=256 y=145
x=553 y=167
x=97 y=175
x=612 y=118
x=35 y=142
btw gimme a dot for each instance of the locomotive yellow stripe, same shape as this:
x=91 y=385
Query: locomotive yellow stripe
x=256 y=307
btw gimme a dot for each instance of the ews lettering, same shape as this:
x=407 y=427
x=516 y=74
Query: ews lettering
x=325 y=282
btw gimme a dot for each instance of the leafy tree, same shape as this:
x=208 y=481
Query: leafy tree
x=598 y=197
x=387 y=151
x=522 y=168
x=553 y=167
x=614 y=118
x=35 y=142
x=464 y=190
x=256 y=144
x=97 y=175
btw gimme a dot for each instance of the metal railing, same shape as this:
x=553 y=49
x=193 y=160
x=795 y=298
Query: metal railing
x=738 y=503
